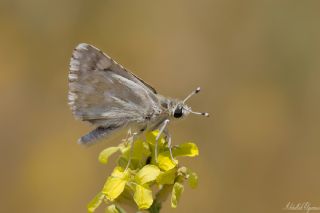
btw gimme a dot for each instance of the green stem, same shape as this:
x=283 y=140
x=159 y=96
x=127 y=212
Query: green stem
x=161 y=196
x=155 y=207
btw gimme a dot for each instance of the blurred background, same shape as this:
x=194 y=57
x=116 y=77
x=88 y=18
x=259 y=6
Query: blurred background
x=257 y=63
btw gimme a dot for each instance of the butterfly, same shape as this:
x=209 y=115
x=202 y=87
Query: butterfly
x=105 y=94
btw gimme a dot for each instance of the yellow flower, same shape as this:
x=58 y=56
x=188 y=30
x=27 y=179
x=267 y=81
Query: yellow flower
x=145 y=178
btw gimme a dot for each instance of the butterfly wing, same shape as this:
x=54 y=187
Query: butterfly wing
x=104 y=93
x=92 y=58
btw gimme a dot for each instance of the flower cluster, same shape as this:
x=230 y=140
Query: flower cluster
x=147 y=181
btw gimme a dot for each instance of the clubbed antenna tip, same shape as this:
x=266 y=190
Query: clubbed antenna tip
x=191 y=94
x=205 y=114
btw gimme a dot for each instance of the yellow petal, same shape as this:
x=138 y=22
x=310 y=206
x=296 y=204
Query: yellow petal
x=165 y=162
x=143 y=197
x=118 y=172
x=193 y=179
x=112 y=209
x=140 y=149
x=186 y=149
x=147 y=174
x=151 y=138
x=114 y=187
x=105 y=154
x=95 y=202
x=176 y=194
x=167 y=177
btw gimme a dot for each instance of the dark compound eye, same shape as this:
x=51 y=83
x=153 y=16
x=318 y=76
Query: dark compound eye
x=178 y=112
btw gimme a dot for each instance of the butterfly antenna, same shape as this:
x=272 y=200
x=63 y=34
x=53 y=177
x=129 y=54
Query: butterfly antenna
x=198 y=113
x=191 y=94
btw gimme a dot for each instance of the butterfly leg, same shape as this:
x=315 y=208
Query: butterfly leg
x=132 y=140
x=164 y=124
x=129 y=133
x=168 y=137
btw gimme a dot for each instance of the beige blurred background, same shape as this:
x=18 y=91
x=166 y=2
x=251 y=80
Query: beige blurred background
x=256 y=61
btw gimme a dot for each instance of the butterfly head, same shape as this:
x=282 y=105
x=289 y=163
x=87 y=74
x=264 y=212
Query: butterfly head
x=180 y=109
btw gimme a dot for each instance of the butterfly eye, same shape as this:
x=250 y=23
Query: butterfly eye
x=178 y=112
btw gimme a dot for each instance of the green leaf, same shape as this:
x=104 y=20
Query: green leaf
x=95 y=202
x=106 y=153
x=165 y=162
x=186 y=149
x=176 y=194
x=167 y=177
x=147 y=174
x=193 y=179
x=143 y=197
x=112 y=209
x=115 y=184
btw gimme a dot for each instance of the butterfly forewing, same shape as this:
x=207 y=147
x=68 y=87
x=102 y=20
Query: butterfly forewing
x=103 y=92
